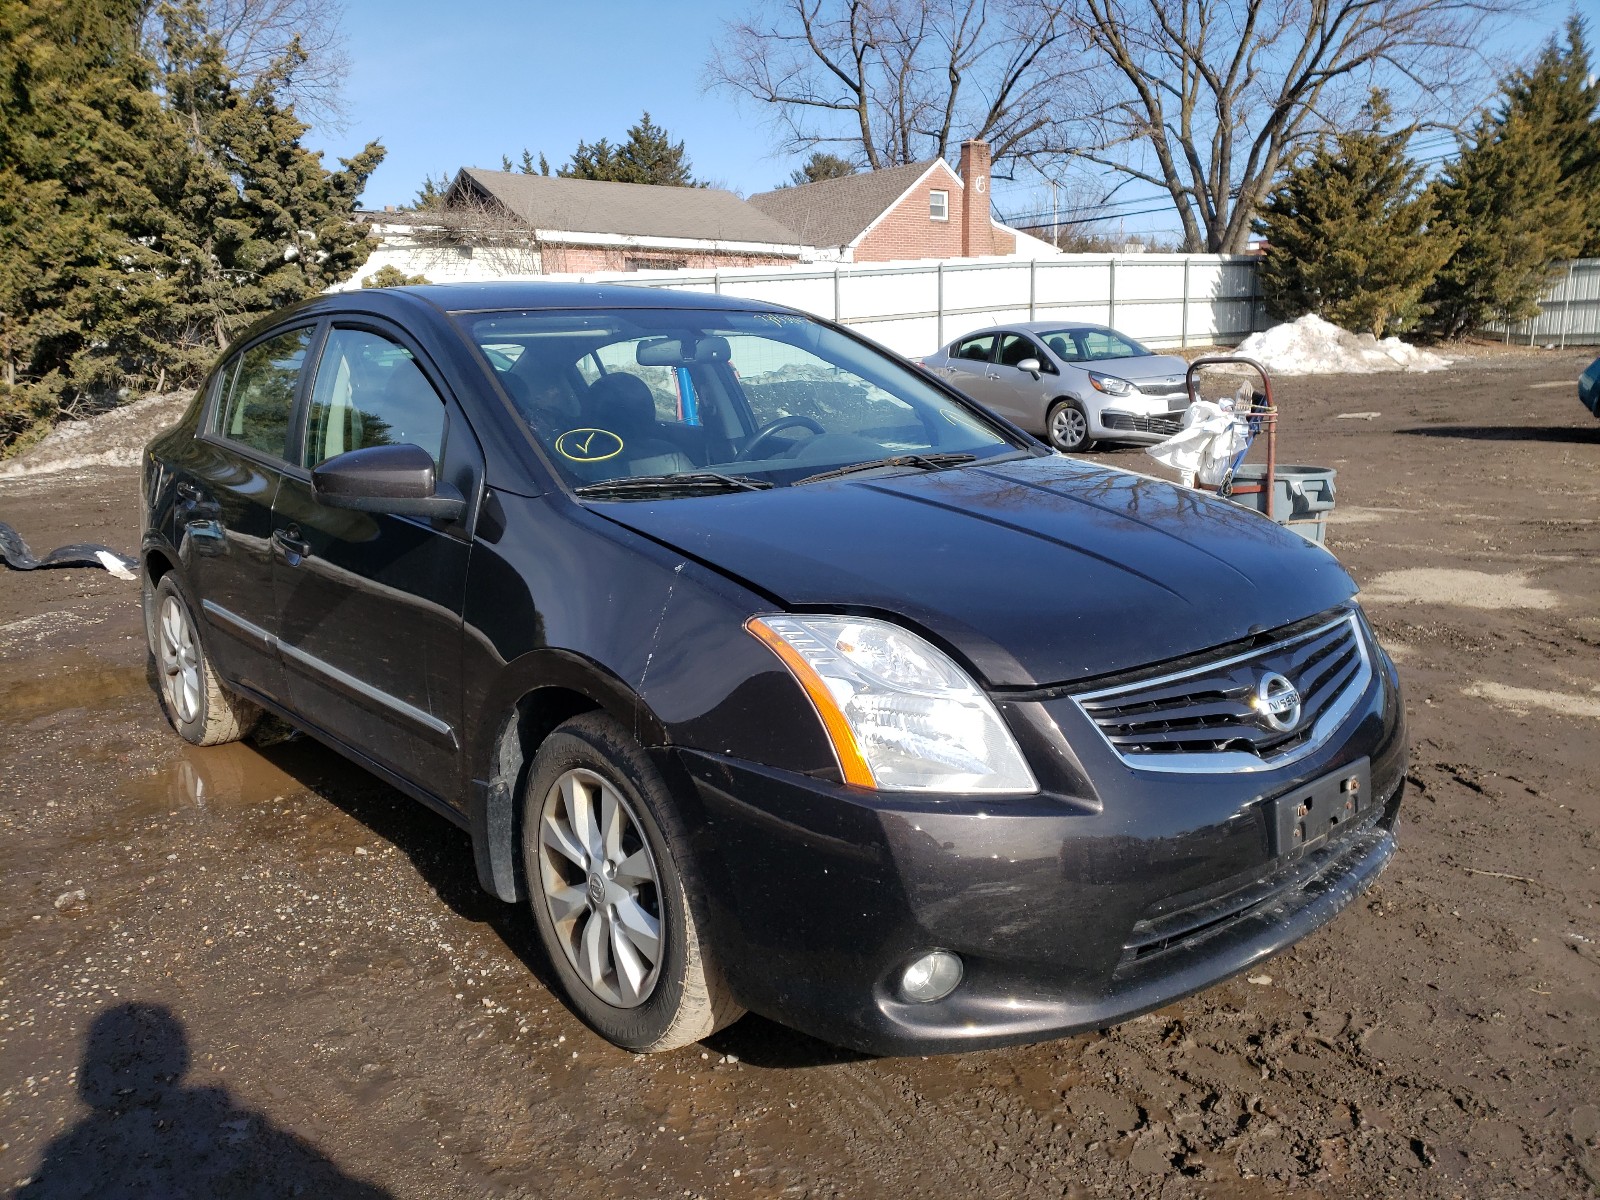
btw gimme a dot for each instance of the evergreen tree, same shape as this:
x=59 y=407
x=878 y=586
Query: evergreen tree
x=432 y=192
x=147 y=210
x=648 y=156
x=390 y=275
x=1559 y=88
x=76 y=120
x=1516 y=211
x=1351 y=234
x=821 y=165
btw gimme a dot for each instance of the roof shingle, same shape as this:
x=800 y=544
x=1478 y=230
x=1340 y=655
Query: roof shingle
x=834 y=212
x=549 y=202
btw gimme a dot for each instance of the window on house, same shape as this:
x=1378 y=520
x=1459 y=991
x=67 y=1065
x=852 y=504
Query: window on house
x=939 y=205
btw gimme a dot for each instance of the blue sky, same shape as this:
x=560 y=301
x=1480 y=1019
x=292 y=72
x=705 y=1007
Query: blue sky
x=447 y=85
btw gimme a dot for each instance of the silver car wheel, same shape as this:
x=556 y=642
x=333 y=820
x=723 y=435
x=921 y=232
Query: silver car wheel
x=601 y=888
x=180 y=660
x=1068 y=426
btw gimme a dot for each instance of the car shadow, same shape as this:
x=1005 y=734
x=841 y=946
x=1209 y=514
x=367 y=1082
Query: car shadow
x=758 y=1042
x=438 y=849
x=1509 y=433
x=441 y=853
x=147 y=1133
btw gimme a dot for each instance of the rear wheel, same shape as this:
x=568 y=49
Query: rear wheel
x=196 y=703
x=615 y=893
x=1068 y=427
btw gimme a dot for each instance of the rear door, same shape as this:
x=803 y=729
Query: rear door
x=970 y=362
x=226 y=496
x=370 y=603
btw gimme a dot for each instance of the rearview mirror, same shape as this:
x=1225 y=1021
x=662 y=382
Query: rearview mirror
x=1031 y=365
x=682 y=352
x=386 y=479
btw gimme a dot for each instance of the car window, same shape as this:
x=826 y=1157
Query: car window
x=980 y=348
x=772 y=396
x=781 y=380
x=663 y=382
x=370 y=391
x=1014 y=348
x=1089 y=345
x=261 y=402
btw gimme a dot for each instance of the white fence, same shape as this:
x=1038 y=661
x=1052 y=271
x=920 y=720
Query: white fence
x=915 y=307
x=1570 y=313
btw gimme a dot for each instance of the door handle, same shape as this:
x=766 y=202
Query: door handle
x=189 y=492
x=288 y=540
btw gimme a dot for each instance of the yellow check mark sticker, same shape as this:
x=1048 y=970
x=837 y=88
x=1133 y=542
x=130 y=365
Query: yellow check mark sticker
x=588 y=445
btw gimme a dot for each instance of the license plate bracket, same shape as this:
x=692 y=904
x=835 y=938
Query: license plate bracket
x=1177 y=403
x=1315 y=811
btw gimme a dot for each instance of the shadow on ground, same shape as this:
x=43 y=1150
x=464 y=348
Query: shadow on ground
x=1510 y=433
x=148 y=1134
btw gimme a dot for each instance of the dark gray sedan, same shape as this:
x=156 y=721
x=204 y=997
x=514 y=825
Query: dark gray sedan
x=1075 y=384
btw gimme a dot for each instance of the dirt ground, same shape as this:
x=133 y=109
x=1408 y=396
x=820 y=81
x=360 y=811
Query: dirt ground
x=253 y=970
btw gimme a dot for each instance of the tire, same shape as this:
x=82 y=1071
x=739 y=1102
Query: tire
x=193 y=698
x=1067 y=427
x=622 y=927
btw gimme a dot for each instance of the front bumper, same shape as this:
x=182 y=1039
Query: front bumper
x=1073 y=909
x=1143 y=419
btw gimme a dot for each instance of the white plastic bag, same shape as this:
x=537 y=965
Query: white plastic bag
x=1205 y=447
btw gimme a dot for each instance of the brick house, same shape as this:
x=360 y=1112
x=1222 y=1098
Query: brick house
x=921 y=210
x=574 y=225
x=498 y=224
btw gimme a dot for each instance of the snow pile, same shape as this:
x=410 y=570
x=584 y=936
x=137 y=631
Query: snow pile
x=1312 y=346
x=112 y=439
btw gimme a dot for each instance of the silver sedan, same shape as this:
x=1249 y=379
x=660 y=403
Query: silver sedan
x=1073 y=384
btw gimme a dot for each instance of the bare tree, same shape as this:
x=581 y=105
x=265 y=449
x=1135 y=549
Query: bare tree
x=898 y=81
x=1212 y=97
x=255 y=35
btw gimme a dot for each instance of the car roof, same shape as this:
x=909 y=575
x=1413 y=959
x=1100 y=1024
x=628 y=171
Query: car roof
x=491 y=296
x=1033 y=327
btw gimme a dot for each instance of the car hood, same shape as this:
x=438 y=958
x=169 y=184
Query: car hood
x=1037 y=571
x=1141 y=369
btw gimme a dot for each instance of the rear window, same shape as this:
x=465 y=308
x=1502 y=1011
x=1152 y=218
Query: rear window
x=258 y=407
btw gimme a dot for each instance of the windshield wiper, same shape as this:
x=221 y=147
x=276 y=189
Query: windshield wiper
x=927 y=462
x=694 y=483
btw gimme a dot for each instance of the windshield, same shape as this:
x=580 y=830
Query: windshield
x=1090 y=344
x=768 y=399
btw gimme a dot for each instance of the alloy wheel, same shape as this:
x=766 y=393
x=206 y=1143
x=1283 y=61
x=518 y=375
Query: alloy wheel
x=1068 y=427
x=180 y=660
x=601 y=888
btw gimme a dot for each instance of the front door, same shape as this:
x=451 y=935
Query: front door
x=370 y=603
x=1012 y=392
x=231 y=480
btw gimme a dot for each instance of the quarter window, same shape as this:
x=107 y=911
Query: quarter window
x=939 y=205
x=370 y=392
x=262 y=400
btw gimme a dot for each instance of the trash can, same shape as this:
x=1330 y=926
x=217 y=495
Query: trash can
x=1302 y=500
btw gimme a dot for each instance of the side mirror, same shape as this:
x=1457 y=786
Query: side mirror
x=1031 y=365
x=386 y=479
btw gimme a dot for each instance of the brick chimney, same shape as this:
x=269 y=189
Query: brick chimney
x=977 y=234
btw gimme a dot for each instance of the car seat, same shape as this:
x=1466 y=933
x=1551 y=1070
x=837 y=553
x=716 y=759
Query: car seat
x=623 y=404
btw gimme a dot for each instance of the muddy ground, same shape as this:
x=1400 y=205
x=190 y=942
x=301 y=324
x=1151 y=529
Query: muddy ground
x=253 y=970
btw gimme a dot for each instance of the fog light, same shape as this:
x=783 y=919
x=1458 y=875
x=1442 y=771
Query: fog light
x=932 y=977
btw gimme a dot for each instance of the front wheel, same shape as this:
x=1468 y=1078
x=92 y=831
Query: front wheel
x=1068 y=426
x=615 y=893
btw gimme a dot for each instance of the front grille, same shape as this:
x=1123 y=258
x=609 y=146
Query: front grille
x=1132 y=423
x=1156 y=387
x=1204 y=715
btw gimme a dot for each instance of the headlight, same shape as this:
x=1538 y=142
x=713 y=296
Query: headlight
x=1111 y=385
x=901 y=716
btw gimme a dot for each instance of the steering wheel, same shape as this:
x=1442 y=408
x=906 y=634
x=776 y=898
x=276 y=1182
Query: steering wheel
x=761 y=438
